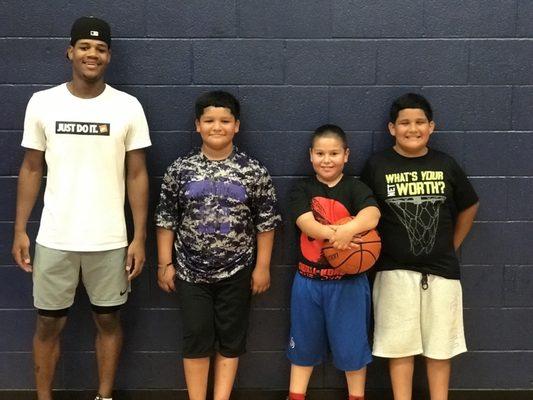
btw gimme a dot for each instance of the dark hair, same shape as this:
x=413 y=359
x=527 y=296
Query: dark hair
x=329 y=130
x=217 y=98
x=410 y=100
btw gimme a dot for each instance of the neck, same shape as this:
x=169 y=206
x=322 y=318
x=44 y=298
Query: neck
x=216 y=154
x=420 y=153
x=332 y=182
x=84 y=89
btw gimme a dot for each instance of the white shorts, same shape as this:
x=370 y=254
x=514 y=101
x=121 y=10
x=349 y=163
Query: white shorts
x=410 y=320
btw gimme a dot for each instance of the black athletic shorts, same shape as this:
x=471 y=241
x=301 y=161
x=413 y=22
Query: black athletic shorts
x=215 y=316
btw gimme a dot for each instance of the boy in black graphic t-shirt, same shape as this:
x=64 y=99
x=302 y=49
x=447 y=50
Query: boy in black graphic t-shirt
x=428 y=207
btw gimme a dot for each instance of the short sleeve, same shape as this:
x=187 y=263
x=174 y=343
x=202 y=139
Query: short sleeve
x=34 y=135
x=362 y=196
x=138 y=135
x=464 y=194
x=299 y=201
x=167 y=211
x=265 y=206
x=367 y=173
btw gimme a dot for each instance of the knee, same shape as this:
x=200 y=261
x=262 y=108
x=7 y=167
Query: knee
x=108 y=324
x=49 y=328
x=438 y=364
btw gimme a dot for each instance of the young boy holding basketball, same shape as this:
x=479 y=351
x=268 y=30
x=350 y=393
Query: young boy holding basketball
x=218 y=210
x=428 y=208
x=328 y=307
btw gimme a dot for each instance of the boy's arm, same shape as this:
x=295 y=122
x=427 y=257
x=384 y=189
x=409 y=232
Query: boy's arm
x=137 y=188
x=261 y=272
x=365 y=220
x=29 y=183
x=314 y=229
x=463 y=224
x=165 y=269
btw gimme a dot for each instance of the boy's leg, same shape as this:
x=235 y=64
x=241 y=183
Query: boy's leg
x=232 y=308
x=198 y=335
x=401 y=376
x=347 y=311
x=300 y=376
x=443 y=331
x=106 y=283
x=438 y=372
x=225 y=371
x=397 y=332
x=46 y=350
x=308 y=341
x=196 y=375
x=108 y=344
x=356 y=382
x=55 y=278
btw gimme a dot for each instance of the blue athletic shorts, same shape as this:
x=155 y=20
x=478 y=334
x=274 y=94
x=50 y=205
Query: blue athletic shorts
x=332 y=314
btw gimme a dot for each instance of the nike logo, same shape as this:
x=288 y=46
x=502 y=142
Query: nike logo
x=123 y=292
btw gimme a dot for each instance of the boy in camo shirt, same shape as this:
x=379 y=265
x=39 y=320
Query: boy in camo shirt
x=218 y=209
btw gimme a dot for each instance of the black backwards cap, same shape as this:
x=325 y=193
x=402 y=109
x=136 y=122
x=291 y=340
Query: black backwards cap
x=90 y=28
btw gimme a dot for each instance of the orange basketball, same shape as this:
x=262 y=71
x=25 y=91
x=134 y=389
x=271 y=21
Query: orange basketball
x=358 y=259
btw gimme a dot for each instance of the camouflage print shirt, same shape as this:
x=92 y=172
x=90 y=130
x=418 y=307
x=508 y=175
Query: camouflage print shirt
x=216 y=208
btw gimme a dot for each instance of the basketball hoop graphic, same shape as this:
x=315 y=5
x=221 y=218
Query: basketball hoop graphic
x=420 y=217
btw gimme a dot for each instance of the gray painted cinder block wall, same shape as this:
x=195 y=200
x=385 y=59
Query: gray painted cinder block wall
x=294 y=65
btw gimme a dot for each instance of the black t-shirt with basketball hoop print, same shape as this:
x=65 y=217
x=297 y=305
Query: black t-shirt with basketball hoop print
x=328 y=204
x=419 y=198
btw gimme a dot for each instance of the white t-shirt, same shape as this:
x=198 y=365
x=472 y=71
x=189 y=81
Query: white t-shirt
x=85 y=142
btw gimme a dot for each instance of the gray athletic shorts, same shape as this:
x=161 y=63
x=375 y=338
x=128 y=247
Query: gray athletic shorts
x=56 y=275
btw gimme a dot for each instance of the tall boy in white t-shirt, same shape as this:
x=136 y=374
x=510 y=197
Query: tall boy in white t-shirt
x=92 y=139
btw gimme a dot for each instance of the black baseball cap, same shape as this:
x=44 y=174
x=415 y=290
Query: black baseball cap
x=90 y=28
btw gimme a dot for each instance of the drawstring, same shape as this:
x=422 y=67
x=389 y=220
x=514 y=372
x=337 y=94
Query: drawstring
x=424 y=281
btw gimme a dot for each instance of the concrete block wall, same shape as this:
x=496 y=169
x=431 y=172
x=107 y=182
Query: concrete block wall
x=294 y=65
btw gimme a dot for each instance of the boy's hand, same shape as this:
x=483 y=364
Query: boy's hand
x=21 y=251
x=331 y=231
x=165 y=278
x=342 y=237
x=135 y=259
x=260 y=280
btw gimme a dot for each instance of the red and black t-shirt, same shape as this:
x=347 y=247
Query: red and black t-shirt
x=328 y=204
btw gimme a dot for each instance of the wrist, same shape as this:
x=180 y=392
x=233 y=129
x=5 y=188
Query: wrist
x=165 y=265
x=262 y=266
x=329 y=231
x=141 y=237
x=19 y=228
